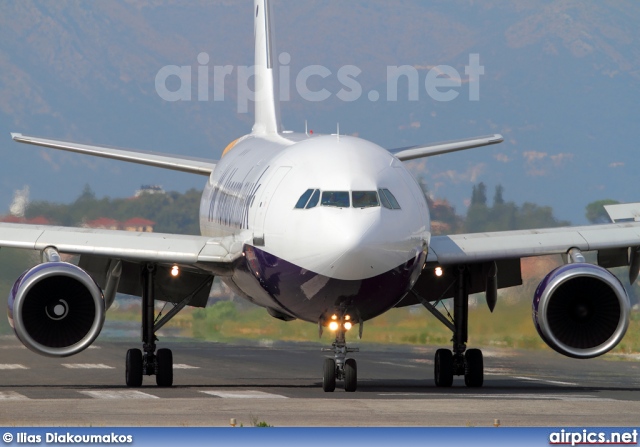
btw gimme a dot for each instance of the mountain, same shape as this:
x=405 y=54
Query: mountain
x=561 y=82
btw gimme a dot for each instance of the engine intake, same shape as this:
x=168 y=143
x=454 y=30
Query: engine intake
x=581 y=310
x=56 y=309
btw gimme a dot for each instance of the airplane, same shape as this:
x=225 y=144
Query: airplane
x=328 y=229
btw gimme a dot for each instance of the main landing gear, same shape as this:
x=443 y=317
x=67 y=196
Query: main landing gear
x=158 y=363
x=340 y=367
x=460 y=361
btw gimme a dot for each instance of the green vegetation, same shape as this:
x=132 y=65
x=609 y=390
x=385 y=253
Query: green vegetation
x=172 y=212
x=595 y=212
x=505 y=215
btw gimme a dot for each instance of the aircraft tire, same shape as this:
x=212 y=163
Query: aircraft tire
x=133 y=369
x=443 y=368
x=329 y=376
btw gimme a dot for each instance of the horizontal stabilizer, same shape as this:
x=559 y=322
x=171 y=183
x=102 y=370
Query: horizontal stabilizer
x=166 y=161
x=409 y=153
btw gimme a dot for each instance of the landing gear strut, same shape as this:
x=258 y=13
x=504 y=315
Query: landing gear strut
x=151 y=363
x=340 y=367
x=460 y=361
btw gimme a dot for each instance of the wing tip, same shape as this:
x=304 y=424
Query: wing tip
x=15 y=136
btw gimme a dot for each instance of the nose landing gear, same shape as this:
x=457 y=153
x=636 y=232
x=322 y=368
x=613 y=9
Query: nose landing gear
x=340 y=367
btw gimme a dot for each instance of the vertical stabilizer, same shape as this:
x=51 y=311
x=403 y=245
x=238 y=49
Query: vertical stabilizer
x=267 y=108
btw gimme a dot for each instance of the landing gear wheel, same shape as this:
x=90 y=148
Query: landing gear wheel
x=164 y=376
x=133 y=370
x=443 y=368
x=473 y=368
x=329 y=376
x=350 y=375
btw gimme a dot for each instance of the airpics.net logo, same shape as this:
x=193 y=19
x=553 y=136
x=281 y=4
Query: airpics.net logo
x=209 y=82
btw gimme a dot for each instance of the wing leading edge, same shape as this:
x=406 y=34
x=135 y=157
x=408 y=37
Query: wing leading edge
x=125 y=245
x=482 y=247
x=174 y=162
x=429 y=150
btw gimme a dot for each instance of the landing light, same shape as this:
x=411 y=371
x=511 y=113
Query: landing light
x=439 y=271
x=175 y=271
x=333 y=326
x=347 y=325
x=347 y=318
x=334 y=317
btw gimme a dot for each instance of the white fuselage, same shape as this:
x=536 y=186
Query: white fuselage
x=308 y=261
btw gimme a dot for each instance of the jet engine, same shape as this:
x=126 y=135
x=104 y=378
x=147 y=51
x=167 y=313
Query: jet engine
x=581 y=310
x=56 y=309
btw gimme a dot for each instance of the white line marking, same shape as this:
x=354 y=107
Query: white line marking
x=396 y=364
x=183 y=366
x=12 y=395
x=129 y=394
x=555 y=382
x=12 y=366
x=563 y=397
x=87 y=366
x=244 y=395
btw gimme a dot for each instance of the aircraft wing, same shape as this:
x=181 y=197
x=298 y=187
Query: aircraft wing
x=123 y=245
x=499 y=254
x=429 y=150
x=174 y=162
x=482 y=247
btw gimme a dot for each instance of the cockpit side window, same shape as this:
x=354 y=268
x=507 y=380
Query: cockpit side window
x=314 y=199
x=339 y=199
x=388 y=200
x=304 y=198
x=364 y=199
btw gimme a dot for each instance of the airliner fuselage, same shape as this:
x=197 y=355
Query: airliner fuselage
x=337 y=224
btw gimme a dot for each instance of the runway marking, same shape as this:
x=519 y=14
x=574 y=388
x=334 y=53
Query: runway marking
x=12 y=366
x=422 y=361
x=129 y=394
x=396 y=364
x=87 y=366
x=554 y=382
x=243 y=394
x=498 y=371
x=12 y=395
x=183 y=366
x=563 y=397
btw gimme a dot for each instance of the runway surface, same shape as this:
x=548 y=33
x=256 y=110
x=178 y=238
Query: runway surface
x=280 y=383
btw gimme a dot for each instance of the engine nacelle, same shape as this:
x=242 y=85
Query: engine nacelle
x=581 y=310
x=56 y=309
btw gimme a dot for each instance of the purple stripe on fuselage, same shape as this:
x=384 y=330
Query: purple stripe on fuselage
x=310 y=296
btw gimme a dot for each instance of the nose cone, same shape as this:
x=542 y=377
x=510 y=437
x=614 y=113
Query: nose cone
x=361 y=248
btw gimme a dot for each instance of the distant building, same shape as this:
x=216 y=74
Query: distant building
x=149 y=189
x=136 y=224
x=40 y=220
x=139 y=224
x=103 y=223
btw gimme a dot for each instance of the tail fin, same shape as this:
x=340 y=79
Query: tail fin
x=267 y=110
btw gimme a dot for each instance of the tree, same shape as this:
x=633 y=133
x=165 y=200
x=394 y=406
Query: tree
x=595 y=212
x=497 y=198
x=479 y=194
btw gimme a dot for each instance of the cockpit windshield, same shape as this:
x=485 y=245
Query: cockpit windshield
x=345 y=199
x=364 y=199
x=339 y=199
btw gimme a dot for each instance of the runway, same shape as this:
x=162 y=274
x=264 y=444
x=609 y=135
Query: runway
x=280 y=383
